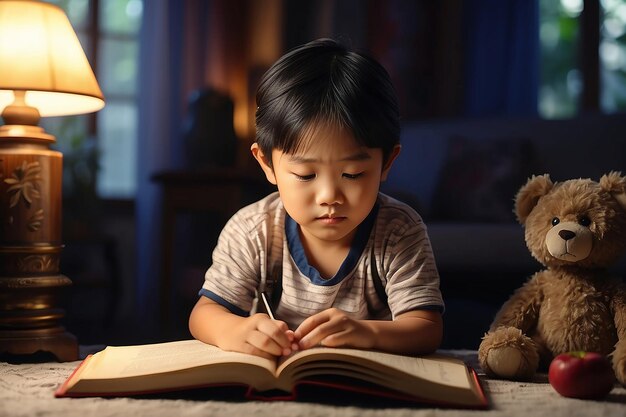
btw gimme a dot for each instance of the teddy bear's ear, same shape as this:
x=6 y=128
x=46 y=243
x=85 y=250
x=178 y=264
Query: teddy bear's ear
x=528 y=196
x=615 y=183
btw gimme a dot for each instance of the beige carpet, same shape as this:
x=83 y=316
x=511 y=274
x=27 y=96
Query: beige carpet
x=27 y=390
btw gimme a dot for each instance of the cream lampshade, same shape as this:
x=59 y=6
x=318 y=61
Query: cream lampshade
x=43 y=72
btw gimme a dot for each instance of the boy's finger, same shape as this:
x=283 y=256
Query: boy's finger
x=265 y=343
x=282 y=326
x=252 y=350
x=277 y=331
x=310 y=324
x=317 y=335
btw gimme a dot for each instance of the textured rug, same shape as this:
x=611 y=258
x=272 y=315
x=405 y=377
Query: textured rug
x=27 y=390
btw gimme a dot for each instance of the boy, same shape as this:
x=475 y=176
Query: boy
x=345 y=265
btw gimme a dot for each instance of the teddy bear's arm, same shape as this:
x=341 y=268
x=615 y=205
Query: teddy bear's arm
x=507 y=351
x=618 y=307
x=522 y=308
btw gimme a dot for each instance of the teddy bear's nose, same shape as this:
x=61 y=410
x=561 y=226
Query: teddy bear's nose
x=567 y=234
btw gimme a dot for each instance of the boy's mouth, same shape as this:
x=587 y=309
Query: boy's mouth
x=331 y=219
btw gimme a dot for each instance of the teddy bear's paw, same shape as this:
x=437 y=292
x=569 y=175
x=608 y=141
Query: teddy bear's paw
x=508 y=353
x=506 y=362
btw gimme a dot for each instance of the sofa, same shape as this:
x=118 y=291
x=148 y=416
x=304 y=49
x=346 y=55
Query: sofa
x=462 y=177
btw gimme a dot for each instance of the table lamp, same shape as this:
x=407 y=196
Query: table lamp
x=43 y=72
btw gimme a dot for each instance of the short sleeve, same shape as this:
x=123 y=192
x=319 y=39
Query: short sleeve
x=239 y=258
x=407 y=261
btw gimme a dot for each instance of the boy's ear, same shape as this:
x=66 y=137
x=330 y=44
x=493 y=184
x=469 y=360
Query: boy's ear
x=389 y=162
x=262 y=160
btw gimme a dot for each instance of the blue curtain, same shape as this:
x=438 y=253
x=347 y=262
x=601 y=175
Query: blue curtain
x=156 y=129
x=170 y=67
x=502 y=57
x=186 y=45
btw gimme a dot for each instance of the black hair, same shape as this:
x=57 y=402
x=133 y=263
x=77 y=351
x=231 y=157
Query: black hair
x=323 y=81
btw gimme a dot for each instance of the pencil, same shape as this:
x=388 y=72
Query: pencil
x=268 y=307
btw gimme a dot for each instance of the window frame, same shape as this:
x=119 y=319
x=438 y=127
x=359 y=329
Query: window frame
x=92 y=34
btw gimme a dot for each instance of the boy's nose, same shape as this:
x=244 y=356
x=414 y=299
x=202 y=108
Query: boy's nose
x=329 y=194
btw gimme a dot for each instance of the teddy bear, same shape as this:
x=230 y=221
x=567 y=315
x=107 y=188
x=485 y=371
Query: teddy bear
x=577 y=230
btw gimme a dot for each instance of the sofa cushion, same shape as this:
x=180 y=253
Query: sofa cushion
x=479 y=179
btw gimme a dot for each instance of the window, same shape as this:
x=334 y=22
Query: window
x=560 y=76
x=109 y=33
x=561 y=36
x=613 y=56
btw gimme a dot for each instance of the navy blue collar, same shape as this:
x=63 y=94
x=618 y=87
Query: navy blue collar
x=356 y=249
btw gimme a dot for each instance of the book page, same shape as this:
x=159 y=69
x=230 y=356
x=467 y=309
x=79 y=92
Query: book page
x=439 y=369
x=129 y=361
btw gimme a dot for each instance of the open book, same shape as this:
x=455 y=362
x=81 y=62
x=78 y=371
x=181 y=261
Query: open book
x=190 y=364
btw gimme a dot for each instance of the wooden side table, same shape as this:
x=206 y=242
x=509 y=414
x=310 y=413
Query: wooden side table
x=222 y=190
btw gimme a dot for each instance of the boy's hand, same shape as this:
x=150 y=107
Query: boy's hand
x=334 y=328
x=261 y=336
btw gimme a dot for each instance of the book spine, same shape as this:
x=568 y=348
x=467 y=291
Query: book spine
x=63 y=388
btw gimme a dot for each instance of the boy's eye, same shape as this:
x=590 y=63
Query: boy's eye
x=352 y=176
x=304 y=177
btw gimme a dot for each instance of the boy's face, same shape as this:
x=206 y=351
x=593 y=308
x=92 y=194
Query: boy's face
x=330 y=186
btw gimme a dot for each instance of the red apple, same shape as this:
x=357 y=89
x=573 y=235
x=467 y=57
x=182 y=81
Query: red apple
x=586 y=375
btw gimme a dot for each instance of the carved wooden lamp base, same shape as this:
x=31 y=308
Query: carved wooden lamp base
x=30 y=245
x=28 y=343
x=30 y=318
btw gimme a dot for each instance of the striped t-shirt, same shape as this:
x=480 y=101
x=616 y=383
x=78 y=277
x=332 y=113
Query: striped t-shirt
x=261 y=241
